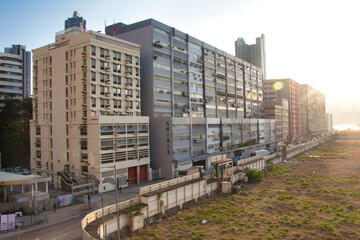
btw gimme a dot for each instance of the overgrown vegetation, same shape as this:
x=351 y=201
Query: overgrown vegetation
x=254 y=175
x=15 y=132
x=303 y=199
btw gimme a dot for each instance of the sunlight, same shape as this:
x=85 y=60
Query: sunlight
x=347 y=126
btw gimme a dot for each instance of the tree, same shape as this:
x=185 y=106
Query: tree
x=15 y=132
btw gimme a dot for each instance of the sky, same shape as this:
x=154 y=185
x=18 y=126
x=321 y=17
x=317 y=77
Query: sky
x=310 y=41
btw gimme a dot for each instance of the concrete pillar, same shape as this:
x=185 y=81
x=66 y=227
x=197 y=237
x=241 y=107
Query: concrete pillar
x=46 y=187
x=138 y=174
x=22 y=188
x=11 y=188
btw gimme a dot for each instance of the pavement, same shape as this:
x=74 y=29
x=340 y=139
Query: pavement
x=75 y=210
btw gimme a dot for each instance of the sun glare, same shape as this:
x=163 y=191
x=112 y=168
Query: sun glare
x=278 y=85
x=347 y=126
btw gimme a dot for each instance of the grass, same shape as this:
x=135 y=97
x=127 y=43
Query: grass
x=292 y=203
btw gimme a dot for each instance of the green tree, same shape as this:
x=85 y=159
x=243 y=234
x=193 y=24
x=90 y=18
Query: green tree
x=15 y=132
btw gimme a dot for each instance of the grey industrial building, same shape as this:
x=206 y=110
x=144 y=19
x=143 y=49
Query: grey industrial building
x=201 y=101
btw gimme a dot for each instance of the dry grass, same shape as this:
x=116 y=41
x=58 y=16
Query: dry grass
x=309 y=198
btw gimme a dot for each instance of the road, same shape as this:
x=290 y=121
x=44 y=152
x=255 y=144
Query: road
x=67 y=230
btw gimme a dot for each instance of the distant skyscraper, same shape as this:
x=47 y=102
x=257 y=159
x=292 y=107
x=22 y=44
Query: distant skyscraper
x=75 y=21
x=254 y=53
x=15 y=75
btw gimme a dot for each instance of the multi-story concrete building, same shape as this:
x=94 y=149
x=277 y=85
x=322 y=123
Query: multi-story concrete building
x=201 y=100
x=279 y=110
x=275 y=90
x=252 y=53
x=315 y=111
x=306 y=107
x=86 y=109
x=15 y=73
x=75 y=21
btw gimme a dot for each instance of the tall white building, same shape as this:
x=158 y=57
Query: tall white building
x=15 y=73
x=86 y=110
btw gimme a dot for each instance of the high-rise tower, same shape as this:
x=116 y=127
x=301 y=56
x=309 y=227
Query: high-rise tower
x=86 y=110
x=252 y=53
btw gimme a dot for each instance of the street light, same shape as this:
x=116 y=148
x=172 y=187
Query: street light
x=117 y=205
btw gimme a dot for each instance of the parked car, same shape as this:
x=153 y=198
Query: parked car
x=25 y=171
x=17 y=169
x=7 y=169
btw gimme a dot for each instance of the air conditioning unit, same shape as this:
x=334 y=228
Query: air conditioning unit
x=84 y=67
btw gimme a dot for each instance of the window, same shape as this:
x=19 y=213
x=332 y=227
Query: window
x=116 y=67
x=38 y=130
x=101 y=77
x=93 y=102
x=93 y=63
x=93 y=89
x=38 y=153
x=102 y=65
x=128 y=70
x=93 y=50
x=93 y=76
x=116 y=79
x=101 y=52
x=128 y=57
x=66 y=56
x=102 y=91
x=83 y=144
x=117 y=103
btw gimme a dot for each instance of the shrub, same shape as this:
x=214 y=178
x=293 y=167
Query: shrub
x=254 y=175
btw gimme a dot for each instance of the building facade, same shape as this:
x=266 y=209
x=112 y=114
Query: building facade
x=277 y=89
x=86 y=110
x=279 y=110
x=306 y=107
x=201 y=100
x=252 y=53
x=15 y=72
x=315 y=111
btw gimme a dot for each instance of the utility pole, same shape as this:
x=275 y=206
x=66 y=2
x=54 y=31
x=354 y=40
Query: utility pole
x=102 y=206
x=117 y=206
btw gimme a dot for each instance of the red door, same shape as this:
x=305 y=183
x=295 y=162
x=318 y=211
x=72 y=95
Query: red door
x=132 y=175
x=143 y=173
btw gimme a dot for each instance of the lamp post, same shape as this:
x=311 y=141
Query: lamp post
x=102 y=207
x=117 y=206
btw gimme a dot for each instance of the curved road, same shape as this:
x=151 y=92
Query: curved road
x=67 y=230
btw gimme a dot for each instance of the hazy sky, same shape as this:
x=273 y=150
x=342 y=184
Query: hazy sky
x=310 y=41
